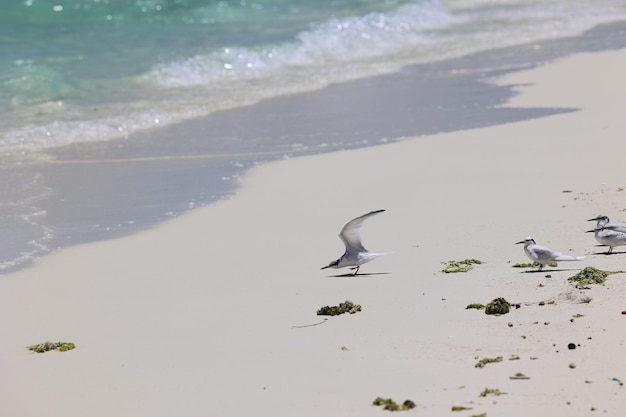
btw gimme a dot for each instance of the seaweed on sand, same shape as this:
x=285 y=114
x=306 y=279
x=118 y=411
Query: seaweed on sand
x=481 y=363
x=498 y=306
x=460 y=266
x=391 y=405
x=345 y=307
x=491 y=391
x=535 y=265
x=590 y=275
x=47 y=346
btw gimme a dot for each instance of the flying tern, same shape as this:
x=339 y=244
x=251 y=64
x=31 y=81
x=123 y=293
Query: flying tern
x=355 y=254
x=543 y=255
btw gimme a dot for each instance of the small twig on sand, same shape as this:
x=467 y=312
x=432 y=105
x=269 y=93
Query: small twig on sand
x=309 y=325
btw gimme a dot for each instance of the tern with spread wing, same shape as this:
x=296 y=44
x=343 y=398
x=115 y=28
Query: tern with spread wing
x=543 y=255
x=355 y=254
x=607 y=233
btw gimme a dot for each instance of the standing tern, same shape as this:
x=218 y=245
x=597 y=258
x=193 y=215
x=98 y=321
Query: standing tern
x=355 y=254
x=543 y=255
x=607 y=233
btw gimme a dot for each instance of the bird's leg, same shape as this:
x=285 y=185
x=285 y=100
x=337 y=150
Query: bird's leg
x=541 y=267
x=356 y=269
x=610 y=250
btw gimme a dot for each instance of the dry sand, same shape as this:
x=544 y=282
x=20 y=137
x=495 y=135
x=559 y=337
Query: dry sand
x=195 y=317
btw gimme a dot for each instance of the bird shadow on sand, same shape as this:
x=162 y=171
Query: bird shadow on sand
x=547 y=271
x=607 y=251
x=366 y=274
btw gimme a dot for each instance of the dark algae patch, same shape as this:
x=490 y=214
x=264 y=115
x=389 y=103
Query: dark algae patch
x=491 y=391
x=476 y=306
x=391 y=405
x=498 y=306
x=589 y=276
x=459 y=408
x=465 y=265
x=535 y=265
x=345 y=307
x=484 y=361
x=48 y=346
x=408 y=405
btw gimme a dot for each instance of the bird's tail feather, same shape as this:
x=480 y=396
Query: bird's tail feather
x=569 y=258
x=377 y=255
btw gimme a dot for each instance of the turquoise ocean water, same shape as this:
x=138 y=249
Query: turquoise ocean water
x=78 y=71
x=86 y=70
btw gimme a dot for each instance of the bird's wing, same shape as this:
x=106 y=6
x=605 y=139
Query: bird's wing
x=544 y=254
x=611 y=233
x=616 y=227
x=350 y=232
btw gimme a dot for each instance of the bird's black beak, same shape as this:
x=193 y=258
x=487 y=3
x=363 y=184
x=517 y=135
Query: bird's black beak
x=590 y=231
x=593 y=220
x=324 y=267
x=521 y=241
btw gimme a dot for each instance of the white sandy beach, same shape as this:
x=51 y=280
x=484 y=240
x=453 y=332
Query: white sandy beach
x=195 y=317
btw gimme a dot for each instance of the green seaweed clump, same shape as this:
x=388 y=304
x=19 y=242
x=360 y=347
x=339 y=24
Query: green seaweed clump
x=391 y=405
x=498 y=306
x=477 y=306
x=491 y=391
x=387 y=403
x=408 y=405
x=460 y=266
x=459 y=408
x=536 y=265
x=47 y=346
x=484 y=361
x=345 y=307
x=590 y=275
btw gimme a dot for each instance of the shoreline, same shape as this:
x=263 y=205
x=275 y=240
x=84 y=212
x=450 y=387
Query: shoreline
x=197 y=314
x=154 y=178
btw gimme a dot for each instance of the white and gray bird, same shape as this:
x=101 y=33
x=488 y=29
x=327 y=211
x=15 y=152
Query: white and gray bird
x=355 y=254
x=607 y=233
x=543 y=255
